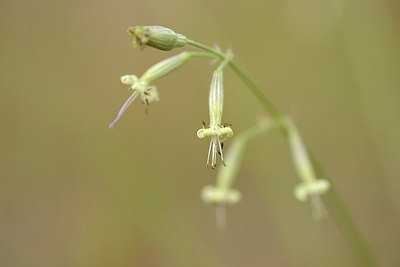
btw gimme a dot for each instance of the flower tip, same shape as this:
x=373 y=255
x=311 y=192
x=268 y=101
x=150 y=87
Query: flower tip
x=131 y=30
x=128 y=79
x=112 y=125
x=200 y=133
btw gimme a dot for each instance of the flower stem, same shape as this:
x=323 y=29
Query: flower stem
x=342 y=216
x=278 y=117
x=201 y=55
x=207 y=49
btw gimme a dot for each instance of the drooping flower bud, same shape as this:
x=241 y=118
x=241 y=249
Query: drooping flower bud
x=157 y=37
x=310 y=187
x=141 y=86
x=217 y=131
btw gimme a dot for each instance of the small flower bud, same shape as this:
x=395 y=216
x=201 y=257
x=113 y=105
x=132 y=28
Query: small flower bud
x=157 y=37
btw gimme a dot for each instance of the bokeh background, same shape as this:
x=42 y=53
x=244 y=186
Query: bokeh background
x=75 y=193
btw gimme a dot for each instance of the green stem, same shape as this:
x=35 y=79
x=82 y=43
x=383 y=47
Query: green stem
x=207 y=49
x=338 y=209
x=201 y=55
x=278 y=117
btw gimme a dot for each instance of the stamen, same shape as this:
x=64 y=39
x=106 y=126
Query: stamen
x=220 y=215
x=127 y=103
x=318 y=207
x=214 y=154
x=208 y=156
x=221 y=154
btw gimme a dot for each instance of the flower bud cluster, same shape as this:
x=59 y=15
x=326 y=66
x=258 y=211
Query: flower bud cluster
x=222 y=193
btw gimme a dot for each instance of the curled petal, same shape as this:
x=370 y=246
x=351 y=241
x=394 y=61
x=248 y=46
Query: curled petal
x=129 y=79
x=127 y=103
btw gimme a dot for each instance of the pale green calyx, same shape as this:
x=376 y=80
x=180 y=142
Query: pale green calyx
x=311 y=187
x=157 y=37
x=166 y=66
x=216 y=130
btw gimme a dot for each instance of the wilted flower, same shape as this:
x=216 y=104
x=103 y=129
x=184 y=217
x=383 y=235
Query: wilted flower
x=216 y=130
x=142 y=86
x=147 y=93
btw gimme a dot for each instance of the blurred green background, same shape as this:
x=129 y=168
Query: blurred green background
x=75 y=193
